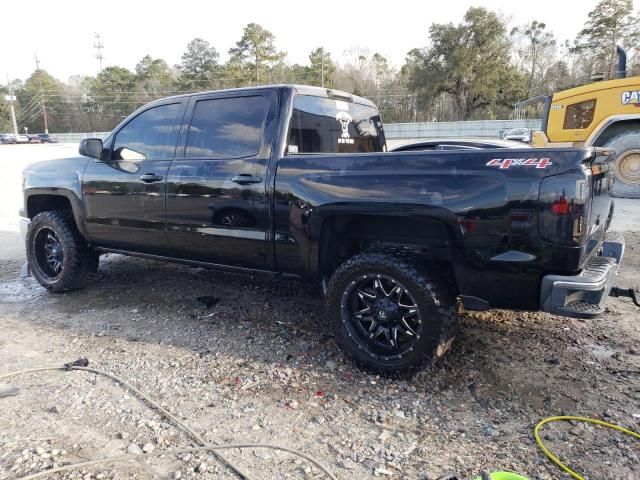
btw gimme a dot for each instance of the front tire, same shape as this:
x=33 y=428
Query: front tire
x=58 y=255
x=389 y=313
x=626 y=165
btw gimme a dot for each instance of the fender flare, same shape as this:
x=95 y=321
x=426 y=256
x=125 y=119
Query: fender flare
x=76 y=203
x=606 y=123
x=314 y=220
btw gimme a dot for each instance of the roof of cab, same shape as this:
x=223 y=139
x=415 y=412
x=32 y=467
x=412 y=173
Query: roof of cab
x=299 y=89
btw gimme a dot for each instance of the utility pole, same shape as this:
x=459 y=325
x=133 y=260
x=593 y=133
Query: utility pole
x=98 y=46
x=322 y=68
x=12 y=99
x=257 y=70
x=42 y=104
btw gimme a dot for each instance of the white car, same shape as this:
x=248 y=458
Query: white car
x=12 y=138
x=519 y=135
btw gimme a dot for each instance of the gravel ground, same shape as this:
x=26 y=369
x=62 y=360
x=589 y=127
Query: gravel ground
x=261 y=366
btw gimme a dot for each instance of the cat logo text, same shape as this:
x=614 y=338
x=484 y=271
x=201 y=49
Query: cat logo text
x=504 y=163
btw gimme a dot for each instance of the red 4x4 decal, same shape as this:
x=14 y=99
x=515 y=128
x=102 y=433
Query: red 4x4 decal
x=505 y=163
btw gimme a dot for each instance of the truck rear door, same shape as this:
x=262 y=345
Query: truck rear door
x=216 y=187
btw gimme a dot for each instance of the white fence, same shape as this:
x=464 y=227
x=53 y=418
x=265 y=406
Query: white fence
x=76 y=137
x=478 y=128
x=400 y=131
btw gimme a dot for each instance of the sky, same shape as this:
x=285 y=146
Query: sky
x=61 y=33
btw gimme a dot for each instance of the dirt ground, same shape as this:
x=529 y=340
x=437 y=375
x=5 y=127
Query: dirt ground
x=261 y=365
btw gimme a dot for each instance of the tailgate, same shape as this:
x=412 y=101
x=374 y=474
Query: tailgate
x=601 y=202
x=575 y=207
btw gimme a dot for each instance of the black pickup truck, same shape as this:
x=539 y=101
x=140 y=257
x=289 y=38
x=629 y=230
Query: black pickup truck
x=295 y=180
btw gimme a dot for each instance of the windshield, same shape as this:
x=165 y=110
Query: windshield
x=325 y=125
x=519 y=131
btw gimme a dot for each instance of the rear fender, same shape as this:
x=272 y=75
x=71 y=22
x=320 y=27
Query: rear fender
x=428 y=230
x=612 y=126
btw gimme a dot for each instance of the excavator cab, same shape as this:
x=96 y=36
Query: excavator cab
x=600 y=114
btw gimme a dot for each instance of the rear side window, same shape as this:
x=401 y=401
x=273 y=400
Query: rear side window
x=325 y=125
x=151 y=135
x=226 y=127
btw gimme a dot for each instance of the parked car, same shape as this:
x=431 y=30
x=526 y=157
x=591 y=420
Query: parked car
x=13 y=138
x=519 y=135
x=456 y=144
x=5 y=138
x=34 y=138
x=47 y=138
x=293 y=180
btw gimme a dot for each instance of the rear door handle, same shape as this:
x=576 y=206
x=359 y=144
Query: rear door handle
x=246 y=179
x=150 y=177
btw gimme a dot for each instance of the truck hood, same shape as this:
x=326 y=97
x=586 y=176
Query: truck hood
x=60 y=177
x=60 y=166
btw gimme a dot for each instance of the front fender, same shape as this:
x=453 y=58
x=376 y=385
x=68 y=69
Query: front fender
x=60 y=178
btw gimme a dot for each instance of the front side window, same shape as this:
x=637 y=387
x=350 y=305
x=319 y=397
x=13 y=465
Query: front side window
x=227 y=127
x=325 y=125
x=151 y=135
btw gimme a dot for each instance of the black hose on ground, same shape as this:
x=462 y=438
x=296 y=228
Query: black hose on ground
x=82 y=365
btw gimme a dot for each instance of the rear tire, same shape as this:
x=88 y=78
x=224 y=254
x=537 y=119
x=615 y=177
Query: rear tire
x=626 y=164
x=389 y=313
x=58 y=255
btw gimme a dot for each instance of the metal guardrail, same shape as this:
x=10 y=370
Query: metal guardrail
x=398 y=131
x=475 y=128
x=76 y=137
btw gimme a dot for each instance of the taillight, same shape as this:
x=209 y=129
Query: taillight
x=564 y=207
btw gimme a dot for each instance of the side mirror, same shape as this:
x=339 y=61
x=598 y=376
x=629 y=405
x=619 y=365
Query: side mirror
x=91 y=147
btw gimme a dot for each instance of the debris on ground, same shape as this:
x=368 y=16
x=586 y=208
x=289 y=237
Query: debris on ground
x=265 y=368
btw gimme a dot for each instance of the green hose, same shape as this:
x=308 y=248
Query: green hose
x=504 y=476
x=554 y=458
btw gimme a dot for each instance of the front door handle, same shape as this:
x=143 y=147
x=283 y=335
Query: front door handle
x=150 y=177
x=246 y=179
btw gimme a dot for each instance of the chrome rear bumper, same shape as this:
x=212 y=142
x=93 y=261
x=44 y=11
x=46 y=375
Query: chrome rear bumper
x=584 y=295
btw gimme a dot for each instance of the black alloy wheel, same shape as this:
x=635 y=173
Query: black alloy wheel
x=59 y=257
x=390 y=311
x=49 y=252
x=382 y=313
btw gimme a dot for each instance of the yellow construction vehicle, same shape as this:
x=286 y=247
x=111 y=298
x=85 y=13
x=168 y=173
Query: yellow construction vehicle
x=602 y=114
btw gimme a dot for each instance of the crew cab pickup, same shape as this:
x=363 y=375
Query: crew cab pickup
x=296 y=180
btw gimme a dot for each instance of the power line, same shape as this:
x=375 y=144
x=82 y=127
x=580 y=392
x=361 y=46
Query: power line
x=24 y=113
x=33 y=103
x=28 y=121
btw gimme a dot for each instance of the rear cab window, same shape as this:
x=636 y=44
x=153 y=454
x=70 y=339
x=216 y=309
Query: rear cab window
x=327 y=125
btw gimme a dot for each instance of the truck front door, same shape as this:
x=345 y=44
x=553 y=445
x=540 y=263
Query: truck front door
x=216 y=189
x=124 y=194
